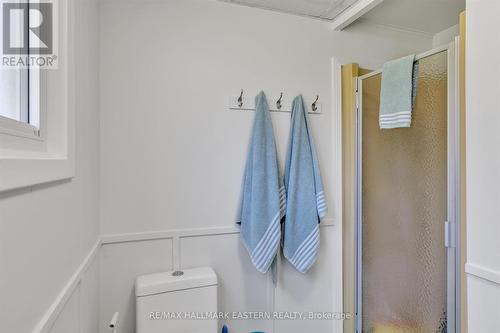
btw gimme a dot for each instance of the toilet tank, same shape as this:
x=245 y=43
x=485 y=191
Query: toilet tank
x=175 y=302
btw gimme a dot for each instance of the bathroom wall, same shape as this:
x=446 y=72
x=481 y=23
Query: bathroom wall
x=46 y=231
x=445 y=36
x=172 y=154
x=483 y=165
x=168 y=68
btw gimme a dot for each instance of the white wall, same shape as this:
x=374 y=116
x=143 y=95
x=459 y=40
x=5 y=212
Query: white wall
x=483 y=165
x=446 y=36
x=46 y=231
x=172 y=155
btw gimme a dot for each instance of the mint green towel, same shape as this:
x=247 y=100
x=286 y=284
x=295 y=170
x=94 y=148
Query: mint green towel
x=397 y=93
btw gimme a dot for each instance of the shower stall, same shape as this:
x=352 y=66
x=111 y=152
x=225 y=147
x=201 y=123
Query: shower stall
x=408 y=205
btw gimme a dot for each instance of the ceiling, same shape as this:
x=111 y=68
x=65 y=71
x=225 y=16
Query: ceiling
x=325 y=9
x=426 y=16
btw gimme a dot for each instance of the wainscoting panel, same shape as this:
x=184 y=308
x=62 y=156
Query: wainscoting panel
x=89 y=298
x=241 y=286
x=78 y=310
x=311 y=292
x=76 y=307
x=68 y=319
x=483 y=304
x=121 y=263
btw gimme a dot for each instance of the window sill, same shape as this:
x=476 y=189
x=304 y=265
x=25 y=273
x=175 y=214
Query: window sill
x=28 y=171
x=15 y=128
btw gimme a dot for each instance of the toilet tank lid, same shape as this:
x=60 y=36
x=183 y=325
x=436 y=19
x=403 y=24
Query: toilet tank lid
x=168 y=281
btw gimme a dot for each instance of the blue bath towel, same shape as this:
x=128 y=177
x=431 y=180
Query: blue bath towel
x=397 y=92
x=263 y=195
x=306 y=202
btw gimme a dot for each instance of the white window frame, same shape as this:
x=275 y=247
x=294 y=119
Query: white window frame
x=30 y=84
x=29 y=104
x=31 y=155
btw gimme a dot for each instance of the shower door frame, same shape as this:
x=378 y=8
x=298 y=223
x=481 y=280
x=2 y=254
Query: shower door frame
x=452 y=225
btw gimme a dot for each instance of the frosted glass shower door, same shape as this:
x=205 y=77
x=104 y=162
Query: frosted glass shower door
x=404 y=272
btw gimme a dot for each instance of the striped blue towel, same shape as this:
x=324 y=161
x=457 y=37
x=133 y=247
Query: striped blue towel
x=397 y=92
x=305 y=197
x=263 y=195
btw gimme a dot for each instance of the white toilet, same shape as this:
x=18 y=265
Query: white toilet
x=177 y=302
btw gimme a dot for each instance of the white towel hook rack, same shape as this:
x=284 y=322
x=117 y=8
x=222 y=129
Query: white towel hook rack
x=239 y=102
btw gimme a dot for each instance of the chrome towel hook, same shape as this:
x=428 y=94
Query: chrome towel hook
x=278 y=102
x=240 y=99
x=314 y=105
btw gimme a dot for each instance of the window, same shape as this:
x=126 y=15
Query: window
x=20 y=102
x=20 y=92
x=37 y=104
